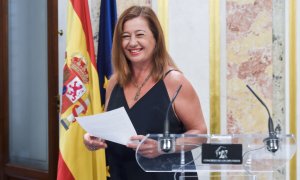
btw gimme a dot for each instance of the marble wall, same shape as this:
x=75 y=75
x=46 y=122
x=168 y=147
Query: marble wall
x=255 y=41
x=279 y=60
x=249 y=62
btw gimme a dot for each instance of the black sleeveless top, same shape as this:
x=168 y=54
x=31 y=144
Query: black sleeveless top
x=147 y=116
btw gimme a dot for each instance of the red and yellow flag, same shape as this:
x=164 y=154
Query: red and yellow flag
x=80 y=97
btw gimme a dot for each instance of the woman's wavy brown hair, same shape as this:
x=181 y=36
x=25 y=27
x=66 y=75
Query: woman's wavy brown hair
x=161 y=58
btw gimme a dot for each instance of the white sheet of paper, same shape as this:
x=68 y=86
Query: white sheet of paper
x=113 y=125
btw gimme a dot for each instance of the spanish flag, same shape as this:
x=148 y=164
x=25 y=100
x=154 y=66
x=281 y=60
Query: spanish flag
x=80 y=97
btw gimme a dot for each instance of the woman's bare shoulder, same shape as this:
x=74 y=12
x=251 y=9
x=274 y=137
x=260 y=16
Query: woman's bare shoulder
x=174 y=78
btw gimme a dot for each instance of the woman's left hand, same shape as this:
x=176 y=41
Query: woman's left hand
x=148 y=149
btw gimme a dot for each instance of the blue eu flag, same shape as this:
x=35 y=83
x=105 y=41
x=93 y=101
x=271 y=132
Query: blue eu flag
x=108 y=18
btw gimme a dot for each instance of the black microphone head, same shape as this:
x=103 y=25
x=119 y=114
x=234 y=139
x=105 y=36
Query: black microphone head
x=271 y=126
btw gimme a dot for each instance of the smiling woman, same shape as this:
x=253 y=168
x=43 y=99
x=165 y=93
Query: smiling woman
x=139 y=36
x=190 y=45
x=145 y=79
x=137 y=40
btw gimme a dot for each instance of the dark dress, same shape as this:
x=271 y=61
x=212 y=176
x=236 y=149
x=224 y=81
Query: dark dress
x=147 y=116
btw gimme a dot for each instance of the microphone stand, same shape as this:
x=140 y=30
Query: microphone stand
x=272 y=141
x=166 y=143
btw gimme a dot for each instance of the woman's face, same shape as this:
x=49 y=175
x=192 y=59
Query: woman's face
x=138 y=42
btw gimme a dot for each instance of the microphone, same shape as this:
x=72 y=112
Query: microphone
x=166 y=143
x=272 y=141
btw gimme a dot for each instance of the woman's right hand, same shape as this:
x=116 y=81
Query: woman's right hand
x=93 y=143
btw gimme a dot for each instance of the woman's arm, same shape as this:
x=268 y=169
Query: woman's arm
x=187 y=105
x=188 y=110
